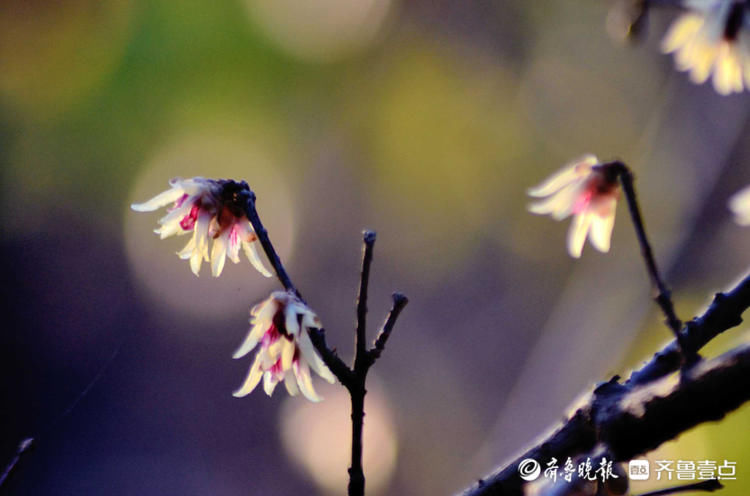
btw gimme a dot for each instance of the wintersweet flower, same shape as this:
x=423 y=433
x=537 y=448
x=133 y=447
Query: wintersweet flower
x=280 y=325
x=199 y=207
x=739 y=204
x=713 y=38
x=589 y=192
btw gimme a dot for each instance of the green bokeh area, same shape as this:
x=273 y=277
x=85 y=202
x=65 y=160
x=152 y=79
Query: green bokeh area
x=425 y=121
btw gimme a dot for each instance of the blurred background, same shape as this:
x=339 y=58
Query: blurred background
x=423 y=120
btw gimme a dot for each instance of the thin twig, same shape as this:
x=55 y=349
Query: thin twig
x=26 y=445
x=23 y=447
x=399 y=302
x=245 y=197
x=663 y=295
x=708 y=486
x=360 y=345
x=352 y=378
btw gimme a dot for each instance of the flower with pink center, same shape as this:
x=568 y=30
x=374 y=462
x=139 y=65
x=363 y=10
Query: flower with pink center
x=739 y=204
x=712 y=39
x=587 y=191
x=199 y=207
x=279 y=328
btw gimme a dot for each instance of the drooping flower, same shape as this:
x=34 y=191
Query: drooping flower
x=739 y=204
x=713 y=39
x=589 y=192
x=279 y=325
x=199 y=207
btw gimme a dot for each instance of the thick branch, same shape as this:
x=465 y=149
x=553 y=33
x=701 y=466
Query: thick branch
x=633 y=421
x=725 y=312
x=650 y=415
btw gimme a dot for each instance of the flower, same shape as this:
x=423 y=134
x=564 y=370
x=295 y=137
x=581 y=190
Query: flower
x=713 y=37
x=200 y=207
x=739 y=204
x=281 y=324
x=587 y=190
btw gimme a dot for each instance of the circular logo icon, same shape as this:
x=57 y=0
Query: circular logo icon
x=529 y=469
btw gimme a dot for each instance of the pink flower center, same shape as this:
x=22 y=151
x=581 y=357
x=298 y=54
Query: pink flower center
x=277 y=370
x=583 y=201
x=188 y=222
x=270 y=336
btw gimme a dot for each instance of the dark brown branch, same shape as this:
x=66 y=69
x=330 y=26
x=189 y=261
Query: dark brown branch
x=399 y=302
x=629 y=422
x=353 y=378
x=725 y=312
x=364 y=279
x=337 y=366
x=245 y=197
x=662 y=295
x=708 y=486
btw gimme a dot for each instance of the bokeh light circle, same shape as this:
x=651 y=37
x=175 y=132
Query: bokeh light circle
x=317 y=437
x=320 y=31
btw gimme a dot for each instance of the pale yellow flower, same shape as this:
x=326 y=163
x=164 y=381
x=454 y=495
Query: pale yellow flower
x=588 y=192
x=280 y=324
x=712 y=39
x=739 y=204
x=199 y=207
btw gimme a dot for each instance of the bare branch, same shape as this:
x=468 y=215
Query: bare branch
x=399 y=302
x=364 y=279
x=725 y=312
x=630 y=421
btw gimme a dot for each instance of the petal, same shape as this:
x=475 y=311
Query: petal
x=195 y=262
x=577 y=233
x=570 y=173
x=682 y=30
x=252 y=380
x=287 y=354
x=219 y=254
x=290 y=381
x=559 y=205
x=739 y=204
x=601 y=230
x=252 y=255
x=160 y=200
x=302 y=373
x=269 y=382
x=250 y=342
x=290 y=319
x=310 y=355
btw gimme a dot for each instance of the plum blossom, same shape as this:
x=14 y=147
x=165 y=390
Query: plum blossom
x=739 y=204
x=589 y=192
x=712 y=39
x=280 y=325
x=200 y=207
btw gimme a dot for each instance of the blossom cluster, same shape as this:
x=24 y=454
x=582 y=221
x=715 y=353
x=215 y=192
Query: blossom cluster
x=200 y=207
x=712 y=39
x=587 y=191
x=280 y=326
